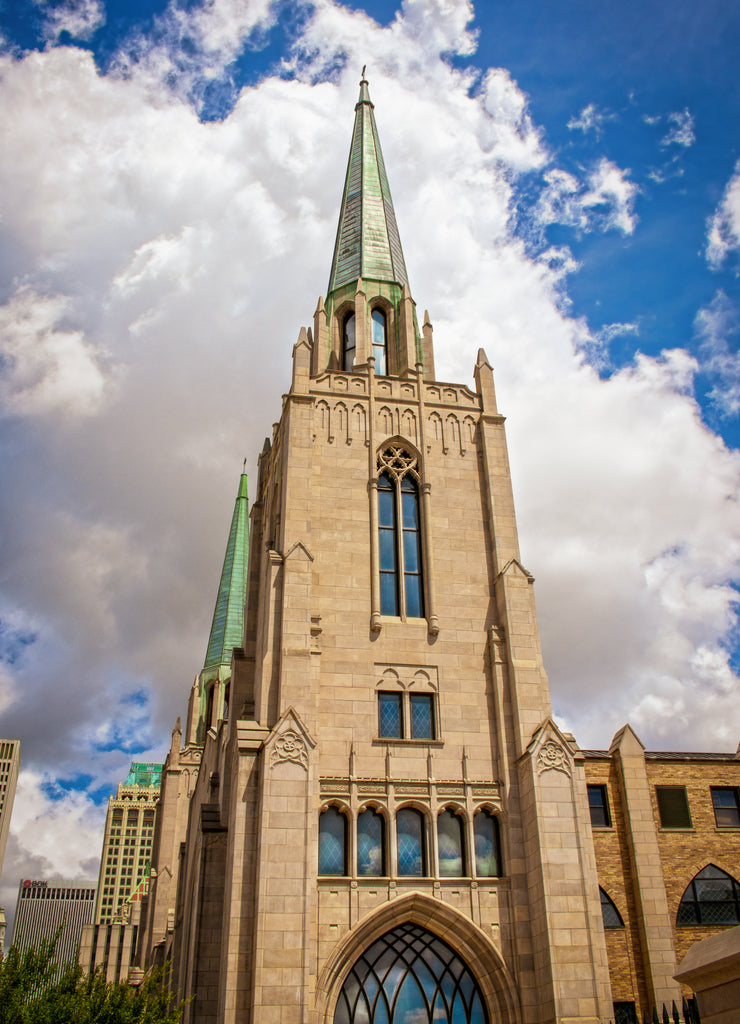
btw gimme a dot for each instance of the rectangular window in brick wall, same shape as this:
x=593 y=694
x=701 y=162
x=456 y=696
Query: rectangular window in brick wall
x=598 y=804
x=726 y=806
x=673 y=807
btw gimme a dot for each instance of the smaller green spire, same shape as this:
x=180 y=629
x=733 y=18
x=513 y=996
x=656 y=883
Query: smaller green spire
x=227 y=628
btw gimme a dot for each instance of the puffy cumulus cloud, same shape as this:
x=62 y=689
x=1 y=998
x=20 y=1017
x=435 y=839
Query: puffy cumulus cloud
x=188 y=254
x=78 y=18
x=34 y=848
x=45 y=367
x=716 y=325
x=723 y=235
x=604 y=201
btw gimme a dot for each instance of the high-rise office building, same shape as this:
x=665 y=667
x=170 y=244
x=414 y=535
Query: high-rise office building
x=127 y=843
x=47 y=906
x=10 y=765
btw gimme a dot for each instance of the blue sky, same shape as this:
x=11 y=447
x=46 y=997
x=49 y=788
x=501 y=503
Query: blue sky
x=567 y=186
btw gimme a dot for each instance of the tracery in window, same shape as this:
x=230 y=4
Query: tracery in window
x=332 y=842
x=487 y=845
x=399 y=534
x=411 y=837
x=409 y=975
x=370 y=843
x=450 y=843
x=348 y=342
x=711 y=897
x=380 y=343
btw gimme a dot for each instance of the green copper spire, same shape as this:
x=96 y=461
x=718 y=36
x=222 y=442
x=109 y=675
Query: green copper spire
x=228 y=617
x=368 y=244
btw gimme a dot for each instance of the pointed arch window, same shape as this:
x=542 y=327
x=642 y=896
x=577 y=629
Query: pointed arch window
x=410 y=832
x=450 y=843
x=380 y=342
x=609 y=913
x=487 y=845
x=348 y=342
x=332 y=842
x=410 y=975
x=370 y=843
x=399 y=534
x=712 y=897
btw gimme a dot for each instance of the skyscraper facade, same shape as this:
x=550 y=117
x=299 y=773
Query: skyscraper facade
x=10 y=765
x=45 y=907
x=127 y=843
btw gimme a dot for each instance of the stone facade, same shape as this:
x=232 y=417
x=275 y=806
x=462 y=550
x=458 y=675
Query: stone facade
x=376 y=772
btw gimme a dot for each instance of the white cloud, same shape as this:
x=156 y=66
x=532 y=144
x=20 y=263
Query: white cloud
x=79 y=18
x=44 y=366
x=590 y=119
x=604 y=202
x=186 y=256
x=681 y=132
x=715 y=325
x=723 y=235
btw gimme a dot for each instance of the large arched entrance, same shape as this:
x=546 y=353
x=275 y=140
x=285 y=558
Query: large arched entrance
x=416 y=960
x=410 y=976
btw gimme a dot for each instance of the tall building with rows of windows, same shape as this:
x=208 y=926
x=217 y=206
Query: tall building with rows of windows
x=10 y=765
x=48 y=907
x=127 y=843
x=370 y=816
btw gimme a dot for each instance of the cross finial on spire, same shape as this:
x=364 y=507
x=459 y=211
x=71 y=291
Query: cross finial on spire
x=363 y=79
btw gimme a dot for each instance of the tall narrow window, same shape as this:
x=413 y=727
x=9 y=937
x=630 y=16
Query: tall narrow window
x=401 y=581
x=411 y=844
x=450 y=841
x=487 y=845
x=332 y=842
x=598 y=805
x=390 y=716
x=370 y=843
x=422 y=716
x=348 y=343
x=380 y=347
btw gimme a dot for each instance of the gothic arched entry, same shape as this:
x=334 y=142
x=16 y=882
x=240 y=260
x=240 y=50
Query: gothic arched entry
x=410 y=976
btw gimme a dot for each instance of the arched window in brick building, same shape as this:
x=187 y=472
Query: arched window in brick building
x=712 y=897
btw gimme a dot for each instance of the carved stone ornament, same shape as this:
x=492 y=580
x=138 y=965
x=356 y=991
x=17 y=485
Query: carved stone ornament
x=289 y=746
x=552 y=756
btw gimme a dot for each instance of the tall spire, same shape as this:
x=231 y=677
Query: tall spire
x=368 y=244
x=228 y=617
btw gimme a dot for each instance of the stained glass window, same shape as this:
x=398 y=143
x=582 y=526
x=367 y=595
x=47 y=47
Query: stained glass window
x=609 y=913
x=487 y=845
x=332 y=842
x=711 y=897
x=348 y=343
x=399 y=534
x=409 y=976
x=370 y=843
x=422 y=717
x=450 y=842
x=380 y=349
x=411 y=845
x=390 y=719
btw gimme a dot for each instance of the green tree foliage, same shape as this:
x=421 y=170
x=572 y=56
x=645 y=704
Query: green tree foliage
x=30 y=993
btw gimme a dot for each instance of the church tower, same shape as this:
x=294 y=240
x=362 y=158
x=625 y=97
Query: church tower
x=387 y=827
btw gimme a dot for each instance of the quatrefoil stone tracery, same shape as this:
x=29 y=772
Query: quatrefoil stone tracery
x=397 y=460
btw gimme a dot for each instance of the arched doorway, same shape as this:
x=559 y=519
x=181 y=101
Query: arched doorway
x=410 y=976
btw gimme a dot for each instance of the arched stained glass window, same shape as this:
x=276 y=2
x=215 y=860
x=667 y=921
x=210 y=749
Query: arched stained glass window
x=711 y=897
x=370 y=843
x=399 y=529
x=409 y=976
x=380 y=346
x=348 y=342
x=411 y=842
x=332 y=842
x=487 y=845
x=609 y=913
x=451 y=848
